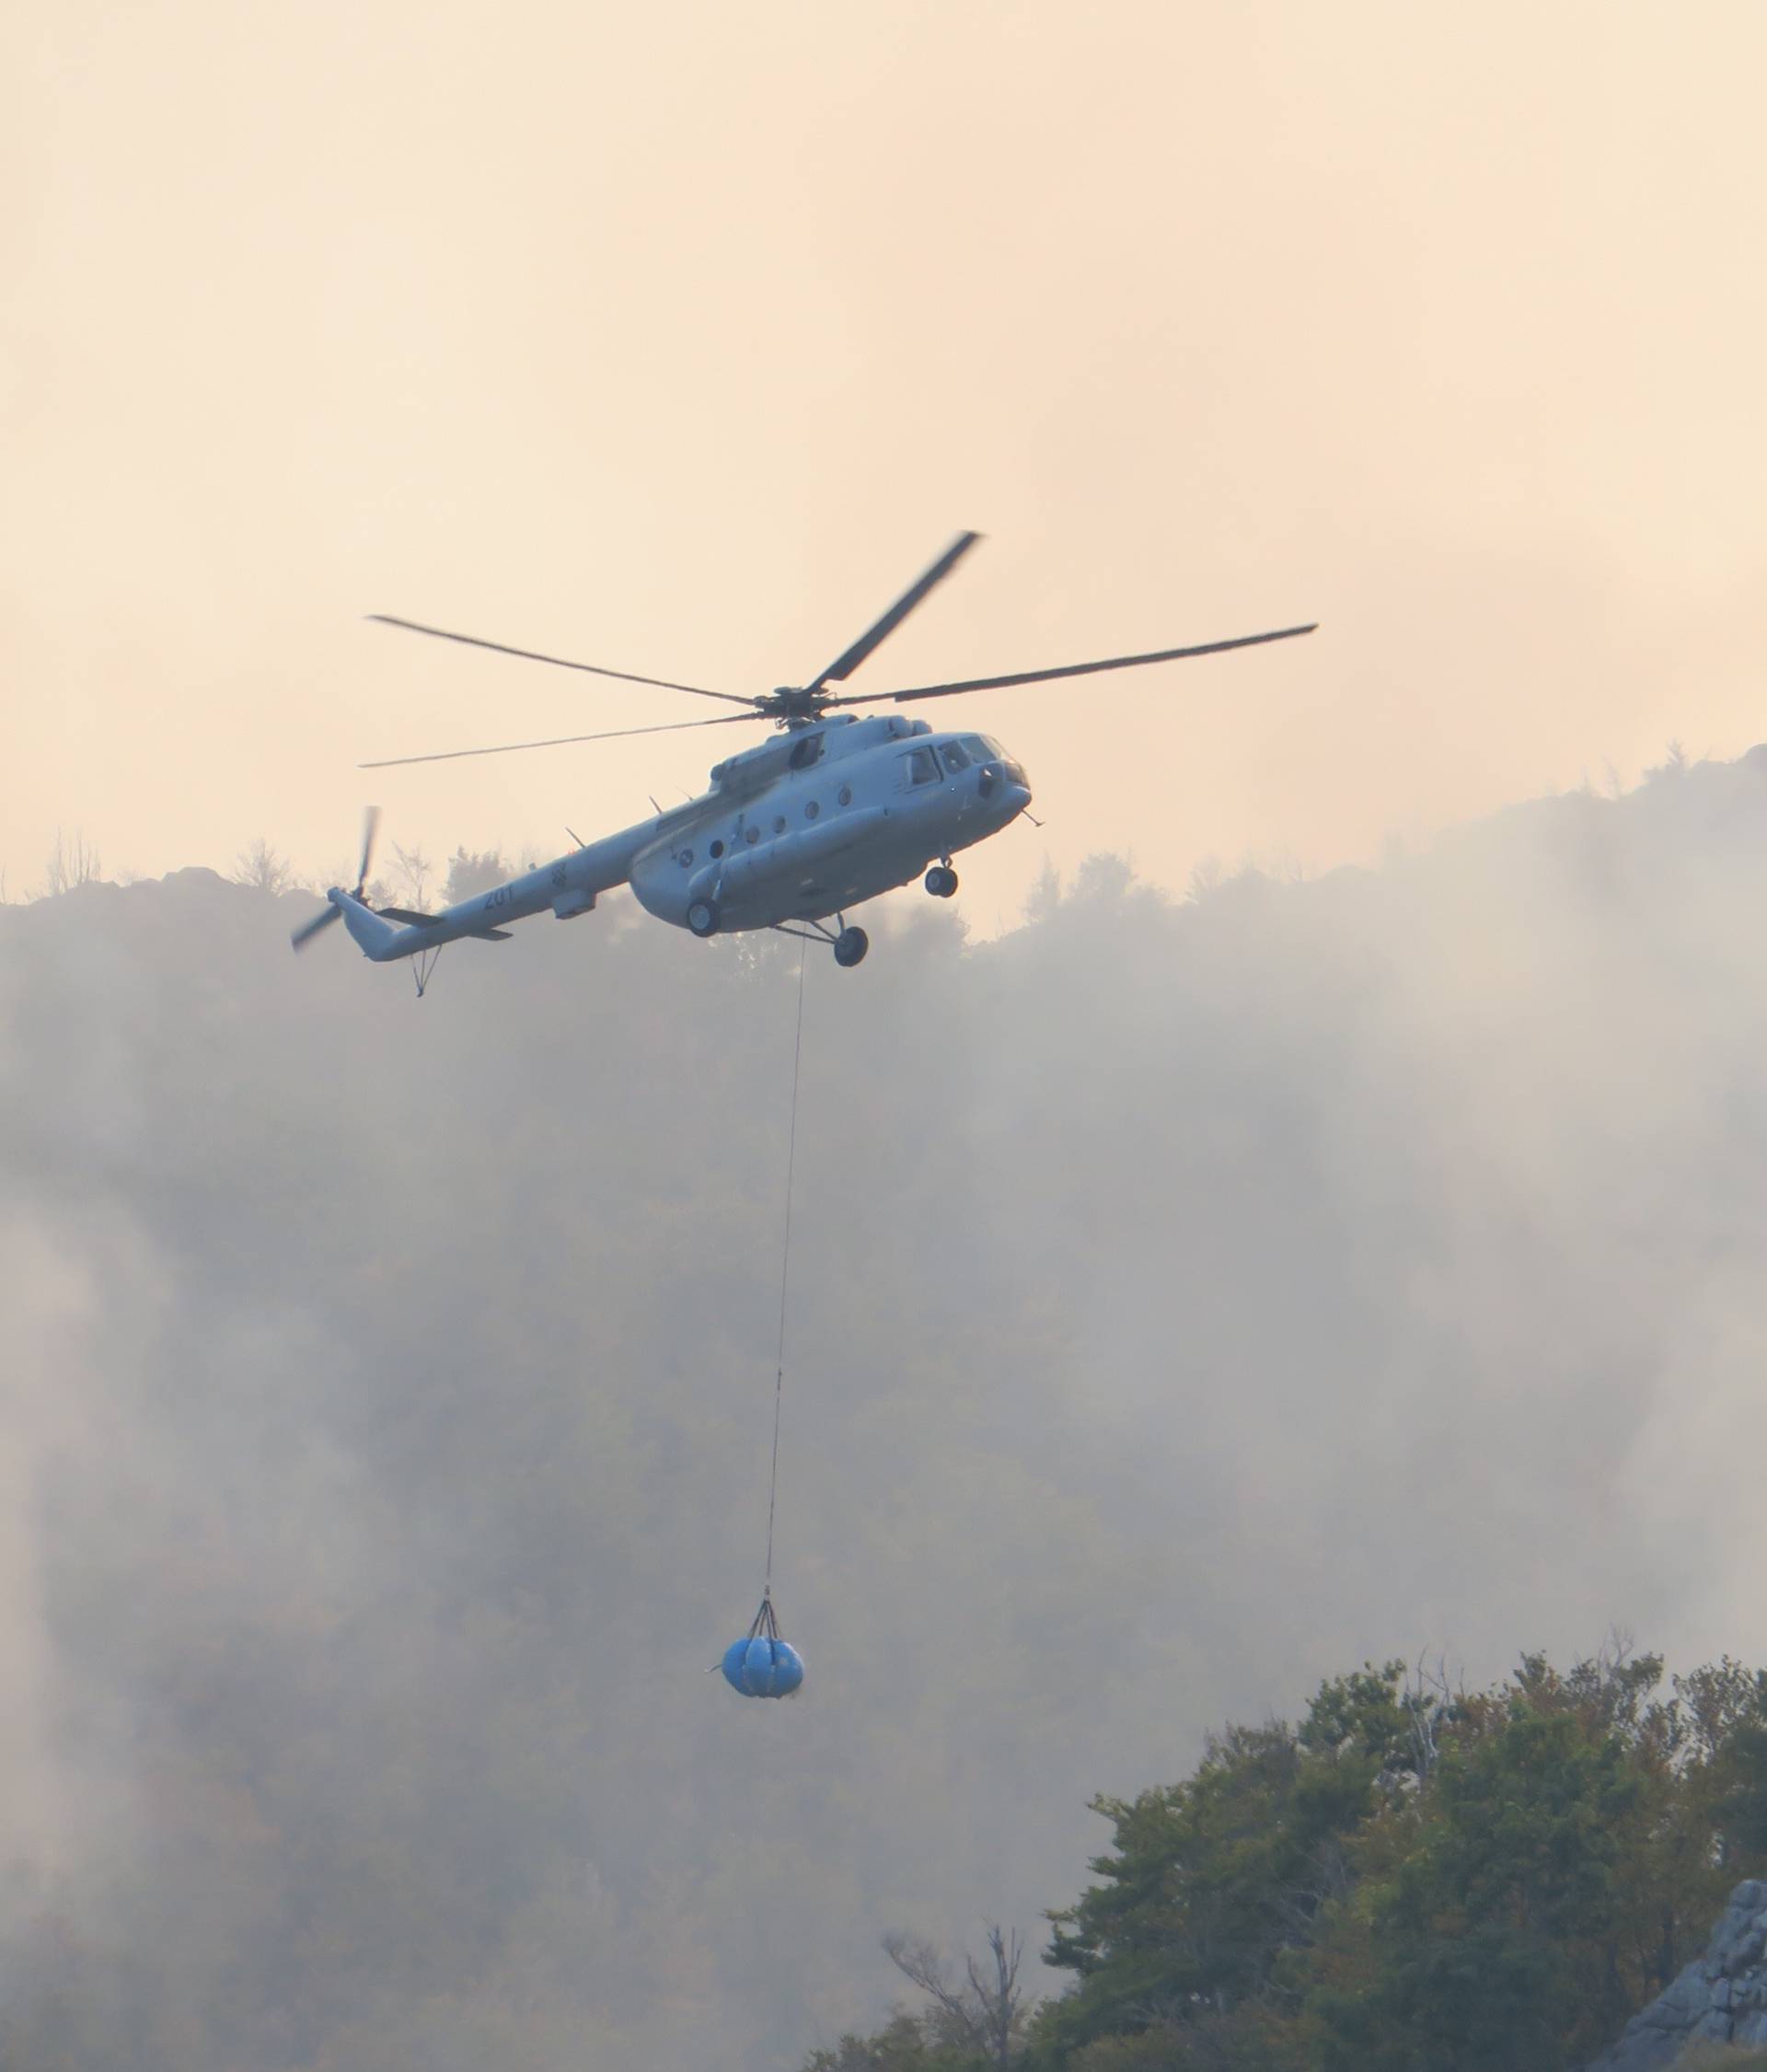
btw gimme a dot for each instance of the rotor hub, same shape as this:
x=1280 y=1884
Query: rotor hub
x=789 y=706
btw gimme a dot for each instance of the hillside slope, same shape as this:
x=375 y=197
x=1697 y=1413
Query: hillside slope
x=1187 y=1300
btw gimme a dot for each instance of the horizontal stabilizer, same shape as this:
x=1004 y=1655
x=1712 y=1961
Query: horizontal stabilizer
x=410 y=916
x=487 y=935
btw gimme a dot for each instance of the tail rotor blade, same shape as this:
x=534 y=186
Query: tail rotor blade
x=370 y=828
x=308 y=930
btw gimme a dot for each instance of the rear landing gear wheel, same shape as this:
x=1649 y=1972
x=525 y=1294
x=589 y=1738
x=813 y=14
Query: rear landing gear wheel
x=851 y=946
x=702 y=917
x=941 y=880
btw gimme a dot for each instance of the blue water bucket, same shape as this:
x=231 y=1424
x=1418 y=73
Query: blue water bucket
x=760 y=1666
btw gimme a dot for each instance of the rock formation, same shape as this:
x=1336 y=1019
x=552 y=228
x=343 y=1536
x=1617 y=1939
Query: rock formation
x=1720 y=1998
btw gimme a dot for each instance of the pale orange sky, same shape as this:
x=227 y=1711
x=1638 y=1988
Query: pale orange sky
x=679 y=338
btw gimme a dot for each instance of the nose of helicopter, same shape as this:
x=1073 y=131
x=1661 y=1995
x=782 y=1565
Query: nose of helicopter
x=1005 y=787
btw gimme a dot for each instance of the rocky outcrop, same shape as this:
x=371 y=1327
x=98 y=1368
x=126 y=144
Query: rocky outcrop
x=1720 y=1998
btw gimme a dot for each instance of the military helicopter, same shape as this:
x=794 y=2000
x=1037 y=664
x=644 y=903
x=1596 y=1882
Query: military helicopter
x=789 y=836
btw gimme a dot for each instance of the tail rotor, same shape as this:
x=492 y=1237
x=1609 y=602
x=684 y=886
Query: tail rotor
x=304 y=935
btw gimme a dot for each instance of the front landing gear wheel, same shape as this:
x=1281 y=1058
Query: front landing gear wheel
x=941 y=880
x=851 y=946
x=702 y=917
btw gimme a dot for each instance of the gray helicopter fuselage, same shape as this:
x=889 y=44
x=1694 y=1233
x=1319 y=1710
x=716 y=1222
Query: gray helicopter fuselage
x=818 y=819
x=824 y=817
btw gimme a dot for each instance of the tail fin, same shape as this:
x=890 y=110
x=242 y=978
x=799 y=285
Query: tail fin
x=376 y=938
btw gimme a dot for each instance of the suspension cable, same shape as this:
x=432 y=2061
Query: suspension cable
x=785 y=1275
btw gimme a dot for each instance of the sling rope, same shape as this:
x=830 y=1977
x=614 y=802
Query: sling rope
x=785 y=1277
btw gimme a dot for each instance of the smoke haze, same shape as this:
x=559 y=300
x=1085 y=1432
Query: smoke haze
x=1188 y=1301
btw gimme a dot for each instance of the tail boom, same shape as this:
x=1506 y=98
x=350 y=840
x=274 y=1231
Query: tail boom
x=566 y=886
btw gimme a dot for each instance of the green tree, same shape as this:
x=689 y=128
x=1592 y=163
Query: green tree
x=1213 y=1883
x=472 y=871
x=1494 y=1941
x=899 y=2046
x=1416 y=1879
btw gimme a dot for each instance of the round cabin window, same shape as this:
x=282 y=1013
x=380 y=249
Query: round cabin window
x=845 y=794
x=717 y=849
x=811 y=810
x=779 y=823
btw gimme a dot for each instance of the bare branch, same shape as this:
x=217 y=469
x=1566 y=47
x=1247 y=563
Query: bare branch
x=72 y=863
x=921 y=1965
x=261 y=867
x=985 y=2014
x=413 y=877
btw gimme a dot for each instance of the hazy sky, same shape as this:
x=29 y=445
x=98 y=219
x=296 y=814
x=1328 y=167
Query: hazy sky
x=679 y=338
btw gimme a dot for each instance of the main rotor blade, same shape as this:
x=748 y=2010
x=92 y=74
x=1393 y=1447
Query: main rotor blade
x=844 y=664
x=558 y=662
x=302 y=935
x=1073 y=669
x=561 y=741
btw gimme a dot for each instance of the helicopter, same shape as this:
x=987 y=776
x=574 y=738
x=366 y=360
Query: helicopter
x=789 y=835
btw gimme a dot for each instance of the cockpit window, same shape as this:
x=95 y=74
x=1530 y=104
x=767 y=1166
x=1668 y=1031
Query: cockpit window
x=922 y=766
x=956 y=762
x=982 y=747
